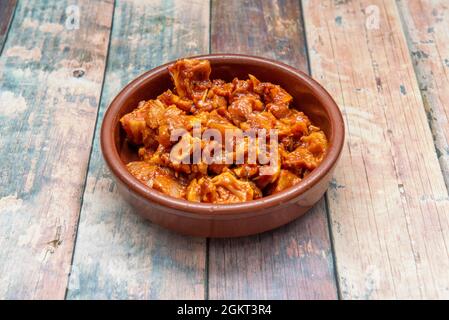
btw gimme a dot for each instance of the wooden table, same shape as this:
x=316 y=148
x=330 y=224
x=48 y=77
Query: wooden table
x=382 y=230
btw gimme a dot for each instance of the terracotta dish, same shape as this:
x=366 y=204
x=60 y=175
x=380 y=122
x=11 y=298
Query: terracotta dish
x=224 y=220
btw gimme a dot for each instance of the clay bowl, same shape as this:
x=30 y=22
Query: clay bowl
x=226 y=220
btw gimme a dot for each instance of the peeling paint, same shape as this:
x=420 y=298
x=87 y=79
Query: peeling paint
x=10 y=203
x=51 y=27
x=23 y=53
x=11 y=104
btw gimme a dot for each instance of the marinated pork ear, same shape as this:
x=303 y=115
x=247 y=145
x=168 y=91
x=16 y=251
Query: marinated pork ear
x=286 y=180
x=136 y=127
x=236 y=107
x=223 y=188
x=159 y=178
x=191 y=78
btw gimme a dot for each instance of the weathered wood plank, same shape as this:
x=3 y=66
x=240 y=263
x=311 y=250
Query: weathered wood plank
x=272 y=29
x=389 y=208
x=48 y=108
x=118 y=255
x=6 y=12
x=295 y=261
x=426 y=24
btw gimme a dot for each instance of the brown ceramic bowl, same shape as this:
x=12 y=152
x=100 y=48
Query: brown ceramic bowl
x=225 y=220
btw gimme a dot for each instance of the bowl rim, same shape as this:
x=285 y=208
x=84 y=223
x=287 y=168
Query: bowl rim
x=118 y=168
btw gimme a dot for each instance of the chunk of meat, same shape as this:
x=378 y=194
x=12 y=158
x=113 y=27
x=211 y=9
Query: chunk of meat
x=278 y=110
x=316 y=143
x=219 y=102
x=173 y=118
x=267 y=176
x=146 y=153
x=240 y=87
x=169 y=98
x=289 y=143
x=191 y=78
x=294 y=124
x=155 y=114
x=300 y=158
x=241 y=108
x=233 y=189
x=226 y=188
x=310 y=154
x=135 y=125
x=220 y=123
x=217 y=168
x=246 y=171
x=272 y=93
x=277 y=95
x=158 y=178
x=220 y=88
x=207 y=190
x=194 y=191
x=261 y=120
x=161 y=157
x=285 y=180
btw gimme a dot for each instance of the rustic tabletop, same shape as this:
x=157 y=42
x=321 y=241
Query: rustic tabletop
x=381 y=231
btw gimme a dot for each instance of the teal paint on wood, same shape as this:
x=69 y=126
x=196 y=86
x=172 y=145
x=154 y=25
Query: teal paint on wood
x=47 y=119
x=294 y=261
x=118 y=255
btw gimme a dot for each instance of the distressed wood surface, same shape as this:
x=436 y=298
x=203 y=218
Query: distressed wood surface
x=47 y=120
x=294 y=261
x=272 y=29
x=390 y=208
x=388 y=203
x=118 y=255
x=6 y=13
x=426 y=25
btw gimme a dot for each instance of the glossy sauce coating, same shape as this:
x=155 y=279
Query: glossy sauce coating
x=239 y=106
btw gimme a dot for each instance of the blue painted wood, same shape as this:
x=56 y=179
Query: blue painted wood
x=118 y=255
x=47 y=119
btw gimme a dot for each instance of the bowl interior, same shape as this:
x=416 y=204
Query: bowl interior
x=305 y=97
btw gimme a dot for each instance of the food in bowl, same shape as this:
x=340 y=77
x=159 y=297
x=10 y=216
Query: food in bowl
x=215 y=219
x=221 y=142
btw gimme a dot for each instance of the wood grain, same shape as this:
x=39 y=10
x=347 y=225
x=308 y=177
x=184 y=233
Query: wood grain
x=389 y=208
x=118 y=255
x=426 y=24
x=272 y=29
x=46 y=125
x=295 y=261
x=7 y=8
